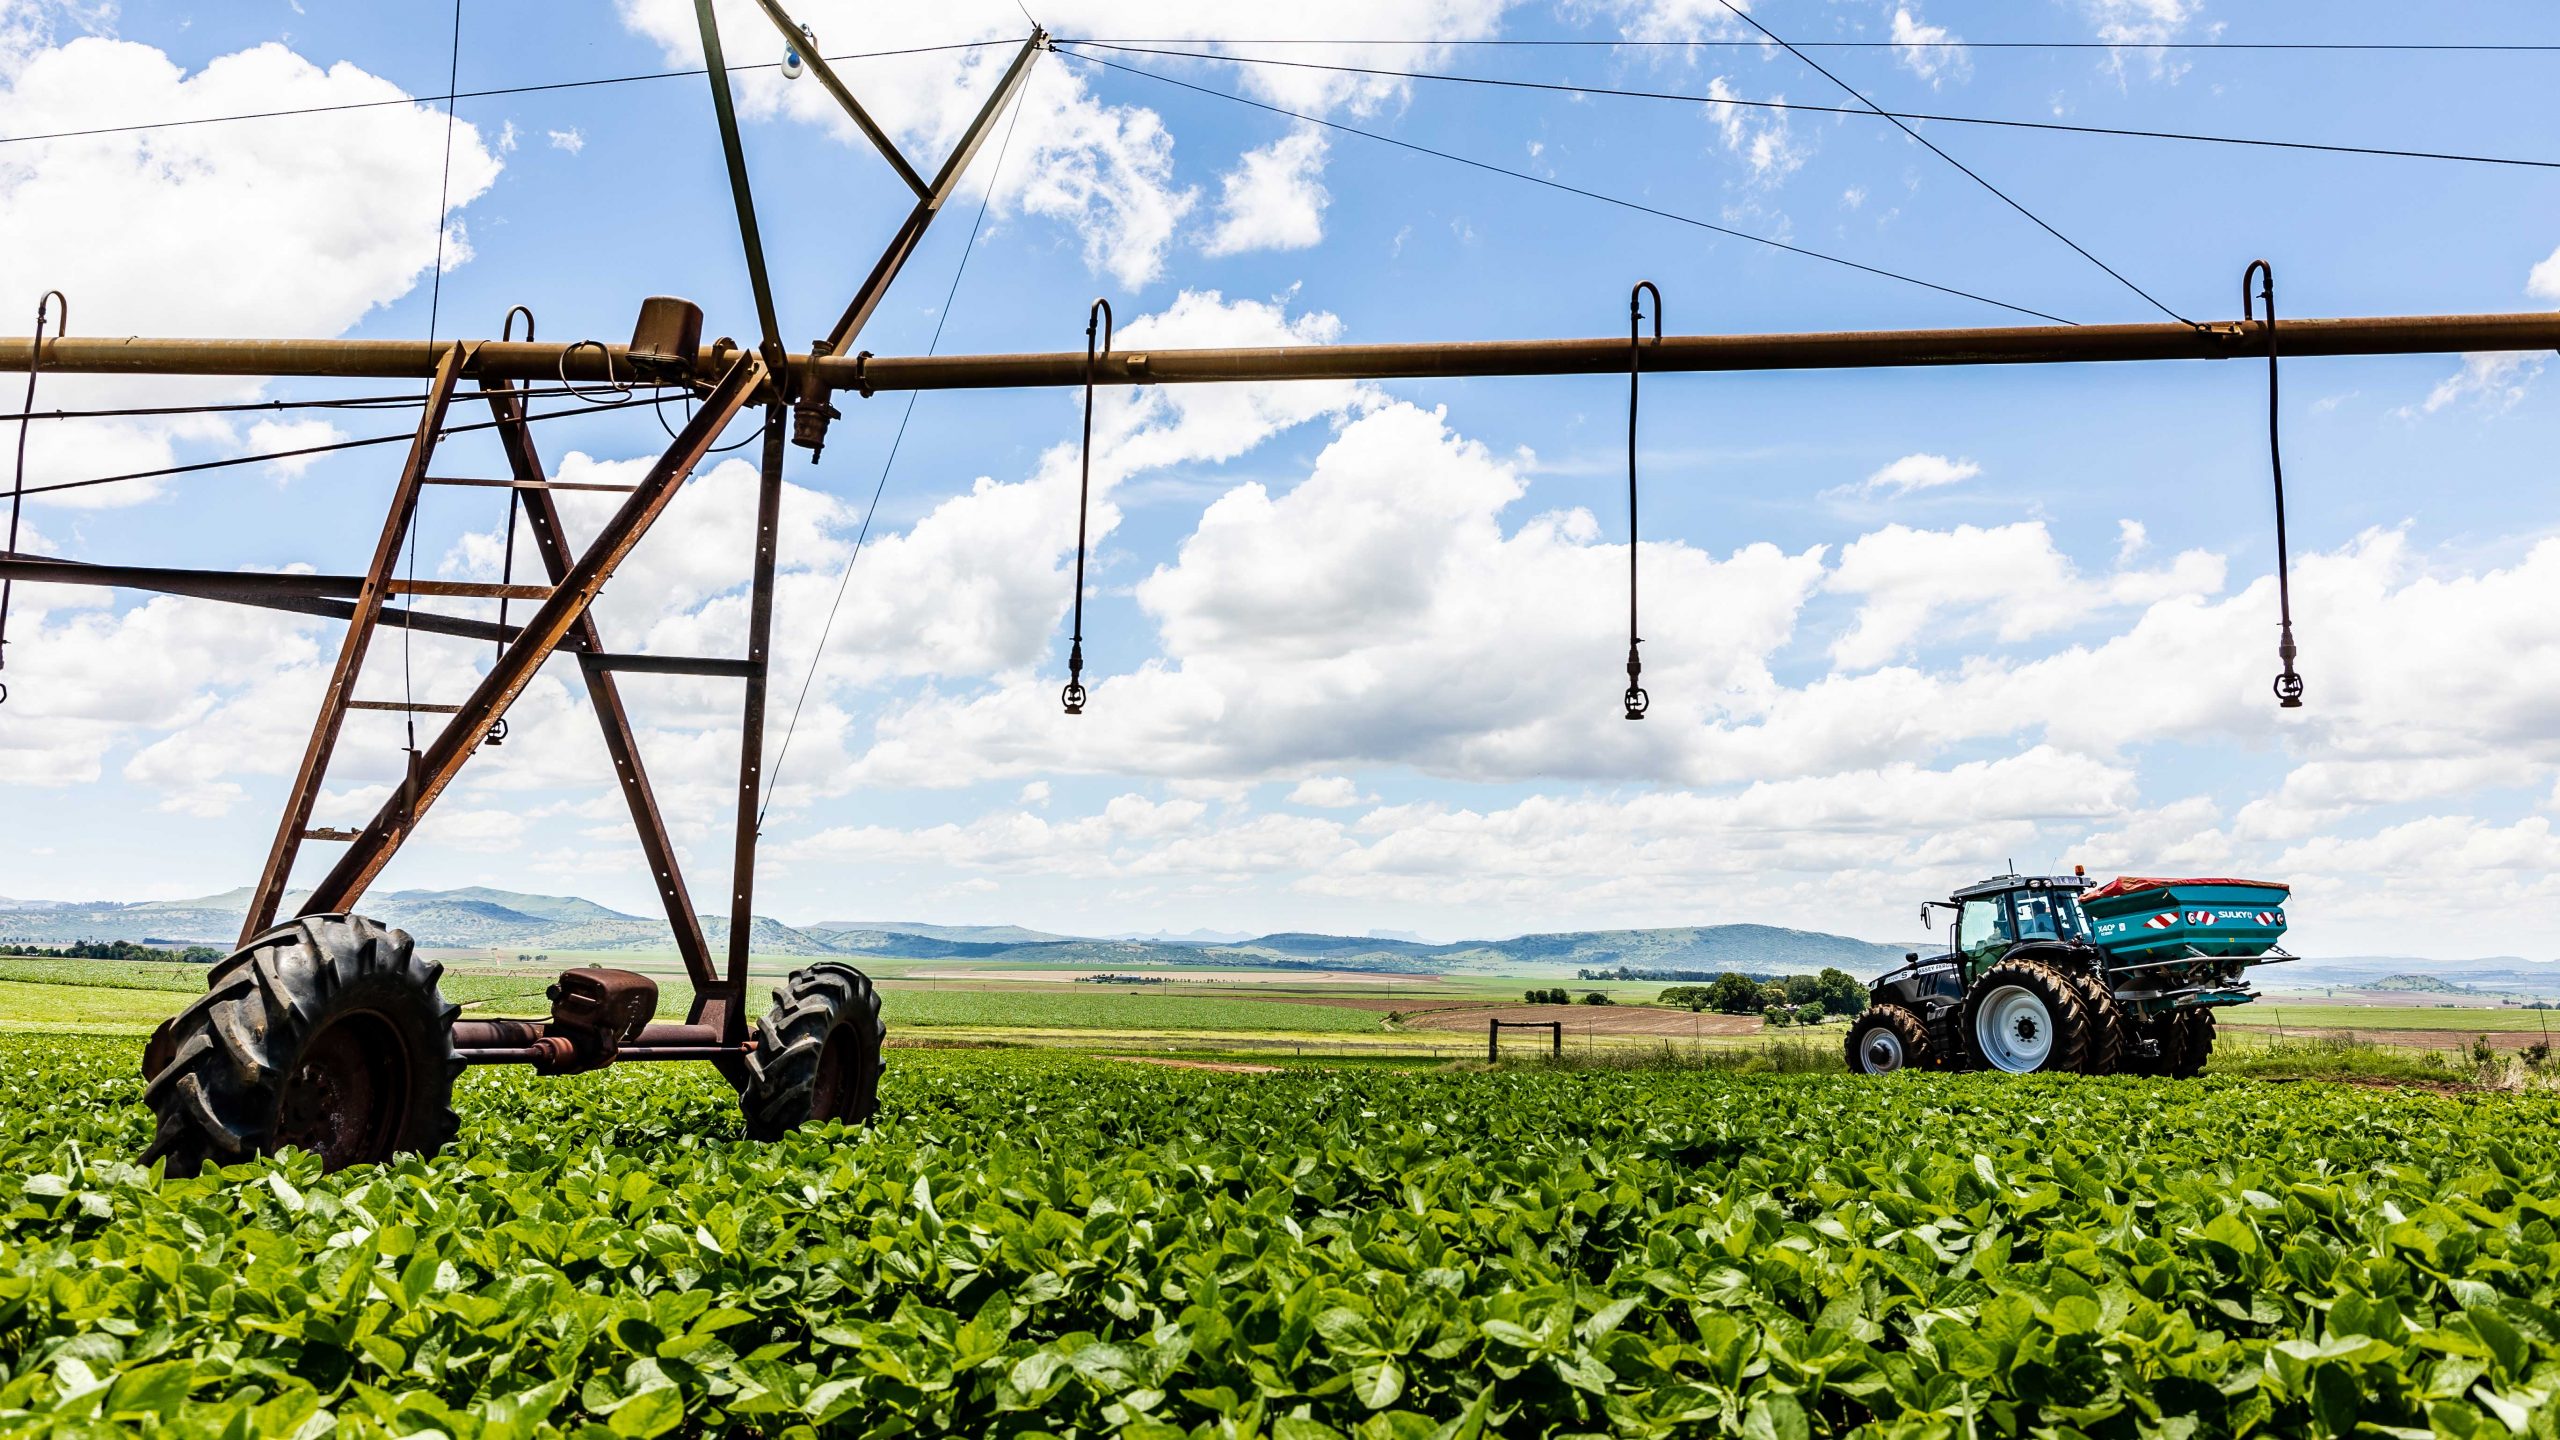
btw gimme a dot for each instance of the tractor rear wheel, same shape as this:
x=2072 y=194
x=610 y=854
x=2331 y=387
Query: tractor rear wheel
x=2183 y=1041
x=325 y=1033
x=817 y=1054
x=2025 y=1016
x=2110 y=1028
x=2195 y=1042
x=1889 y=1038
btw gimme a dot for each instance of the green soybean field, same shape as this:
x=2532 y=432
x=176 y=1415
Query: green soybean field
x=1042 y=1244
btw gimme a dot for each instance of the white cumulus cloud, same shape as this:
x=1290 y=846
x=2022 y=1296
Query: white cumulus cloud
x=1931 y=52
x=1274 y=199
x=1918 y=472
x=205 y=230
x=1329 y=792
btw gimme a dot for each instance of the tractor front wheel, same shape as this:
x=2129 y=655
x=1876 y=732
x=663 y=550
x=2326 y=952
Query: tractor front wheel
x=325 y=1033
x=1889 y=1038
x=817 y=1054
x=2025 y=1016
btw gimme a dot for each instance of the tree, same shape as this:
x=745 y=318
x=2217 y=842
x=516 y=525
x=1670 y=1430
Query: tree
x=1840 y=992
x=1734 y=993
x=1801 y=989
x=1597 y=998
x=1774 y=1015
x=1772 y=993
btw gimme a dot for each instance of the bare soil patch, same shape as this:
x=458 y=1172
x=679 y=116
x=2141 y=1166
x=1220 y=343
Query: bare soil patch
x=2502 y=1039
x=1203 y=976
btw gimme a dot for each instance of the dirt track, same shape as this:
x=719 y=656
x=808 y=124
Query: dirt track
x=1644 y=1020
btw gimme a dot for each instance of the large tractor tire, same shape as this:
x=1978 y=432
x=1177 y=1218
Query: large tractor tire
x=325 y=1033
x=2024 y=1016
x=1889 y=1038
x=2184 y=1041
x=2195 y=1042
x=817 y=1054
x=2110 y=1045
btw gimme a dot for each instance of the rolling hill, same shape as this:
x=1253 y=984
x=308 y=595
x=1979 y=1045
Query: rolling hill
x=481 y=918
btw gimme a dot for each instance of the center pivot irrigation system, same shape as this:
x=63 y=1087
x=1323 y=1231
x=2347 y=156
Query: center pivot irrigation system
x=325 y=1031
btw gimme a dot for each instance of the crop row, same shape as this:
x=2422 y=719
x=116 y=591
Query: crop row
x=1034 y=1244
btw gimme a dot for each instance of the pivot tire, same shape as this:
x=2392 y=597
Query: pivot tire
x=1889 y=1038
x=2024 y=1016
x=325 y=1033
x=817 y=1054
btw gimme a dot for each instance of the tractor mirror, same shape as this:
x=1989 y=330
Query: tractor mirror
x=1924 y=914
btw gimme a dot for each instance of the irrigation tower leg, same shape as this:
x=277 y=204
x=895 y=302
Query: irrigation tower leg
x=742 y=876
x=292 y=829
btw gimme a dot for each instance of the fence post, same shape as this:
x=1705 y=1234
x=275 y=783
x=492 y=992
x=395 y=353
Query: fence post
x=1555 y=1038
x=1492 y=1041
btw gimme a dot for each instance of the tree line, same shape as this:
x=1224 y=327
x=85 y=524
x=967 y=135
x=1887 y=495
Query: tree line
x=1798 y=997
x=116 y=950
x=1781 y=1000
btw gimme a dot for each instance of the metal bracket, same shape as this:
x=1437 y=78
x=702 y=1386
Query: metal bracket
x=803 y=43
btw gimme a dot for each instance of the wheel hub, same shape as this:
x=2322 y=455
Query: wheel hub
x=2013 y=1029
x=344 y=1099
x=1882 y=1052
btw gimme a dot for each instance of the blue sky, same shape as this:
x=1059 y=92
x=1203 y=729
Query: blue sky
x=1357 y=648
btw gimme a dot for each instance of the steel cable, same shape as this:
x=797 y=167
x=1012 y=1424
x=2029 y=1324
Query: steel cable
x=1855 y=94
x=1600 y=196
x=351 y=402
x=2102 y=45
x=18 y=477
x=435 y=302
x=1738 y=102
x=773 y=775
x=262 y=457
x=452 y=94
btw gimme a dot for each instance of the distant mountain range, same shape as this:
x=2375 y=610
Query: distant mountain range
x=479 y=919
x=2497 y=973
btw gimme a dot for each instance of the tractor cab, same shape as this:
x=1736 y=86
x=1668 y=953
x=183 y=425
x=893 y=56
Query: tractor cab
x=2006 y=911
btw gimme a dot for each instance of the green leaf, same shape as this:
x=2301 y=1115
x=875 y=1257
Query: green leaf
x=651 y=1412
x=1776 y=1417
x=1378 y=1386
x=152 y=1390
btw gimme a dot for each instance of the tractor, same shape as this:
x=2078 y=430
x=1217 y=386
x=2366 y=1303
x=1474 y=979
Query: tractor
x=2057 y=972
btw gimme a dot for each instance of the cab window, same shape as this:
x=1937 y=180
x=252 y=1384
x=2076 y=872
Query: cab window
x=1981 y=927
x=2037 y=917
